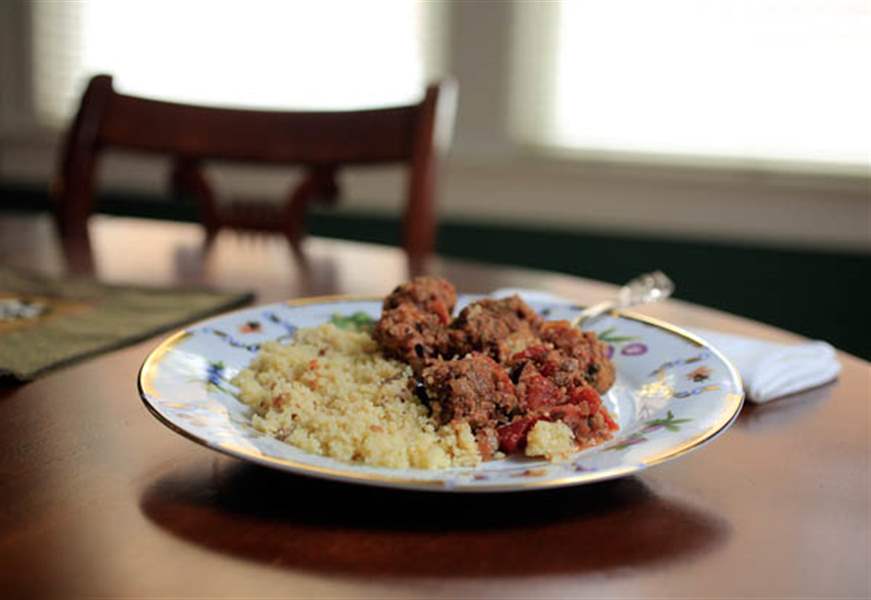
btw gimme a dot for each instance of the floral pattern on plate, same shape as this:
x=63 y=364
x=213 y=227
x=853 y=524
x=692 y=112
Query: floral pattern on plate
x=673 y=393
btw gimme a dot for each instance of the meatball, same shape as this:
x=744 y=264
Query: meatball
x=498 y=328
x=561 y=370
x=409 y=334
x=474 y=389
x=430 y=294
x=583 y=346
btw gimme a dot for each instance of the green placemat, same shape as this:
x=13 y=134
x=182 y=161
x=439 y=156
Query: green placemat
x=46 y=323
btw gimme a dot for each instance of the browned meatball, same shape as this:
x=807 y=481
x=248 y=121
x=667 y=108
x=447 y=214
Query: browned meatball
x=474 y=389
x=583 y=346
x=498 y=328
x=562 y=373
x=409 y=334
x=430 y=294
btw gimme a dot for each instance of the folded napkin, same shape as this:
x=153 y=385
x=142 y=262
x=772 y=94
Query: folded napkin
x=769 y=370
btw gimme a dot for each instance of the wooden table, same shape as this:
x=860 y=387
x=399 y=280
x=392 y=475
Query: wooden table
x=98 y=499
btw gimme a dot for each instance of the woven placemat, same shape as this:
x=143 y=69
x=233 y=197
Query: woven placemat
x=46 y=323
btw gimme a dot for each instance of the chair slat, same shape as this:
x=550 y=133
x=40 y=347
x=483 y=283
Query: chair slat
x=366 y=136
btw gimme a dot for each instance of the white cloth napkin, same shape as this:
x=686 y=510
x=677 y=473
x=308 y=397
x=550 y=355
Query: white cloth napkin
x=769 y=370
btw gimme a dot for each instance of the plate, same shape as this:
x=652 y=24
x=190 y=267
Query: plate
x=673 y=393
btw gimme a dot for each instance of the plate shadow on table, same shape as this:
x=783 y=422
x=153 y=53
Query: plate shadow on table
x=290 y=521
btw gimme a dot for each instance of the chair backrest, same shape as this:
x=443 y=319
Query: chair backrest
x=319 y=141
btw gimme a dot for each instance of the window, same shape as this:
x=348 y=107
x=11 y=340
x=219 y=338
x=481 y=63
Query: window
x=750 y=80
x=283 y=55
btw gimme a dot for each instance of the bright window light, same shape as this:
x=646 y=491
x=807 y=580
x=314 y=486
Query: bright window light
x=752 y=80
x=289 y=55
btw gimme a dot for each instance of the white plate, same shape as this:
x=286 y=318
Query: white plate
x=673 y=394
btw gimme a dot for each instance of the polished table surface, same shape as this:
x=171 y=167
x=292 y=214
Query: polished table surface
x=99 y=499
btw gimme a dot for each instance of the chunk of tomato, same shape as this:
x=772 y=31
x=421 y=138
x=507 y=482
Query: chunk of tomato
x=512 y=437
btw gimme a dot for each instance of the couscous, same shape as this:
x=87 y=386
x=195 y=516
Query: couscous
x=331 y=392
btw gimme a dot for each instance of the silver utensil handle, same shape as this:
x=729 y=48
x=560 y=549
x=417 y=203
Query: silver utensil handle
x=591 y=312
x=644 y=289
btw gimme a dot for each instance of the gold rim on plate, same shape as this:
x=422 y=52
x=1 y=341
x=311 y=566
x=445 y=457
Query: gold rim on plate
x=149 y=396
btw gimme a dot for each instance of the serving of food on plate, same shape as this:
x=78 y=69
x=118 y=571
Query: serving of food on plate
x=428 y=389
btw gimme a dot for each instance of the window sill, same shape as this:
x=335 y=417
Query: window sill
x=699 y=169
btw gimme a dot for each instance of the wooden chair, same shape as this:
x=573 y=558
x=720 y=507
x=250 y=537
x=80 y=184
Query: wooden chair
x=320 y=142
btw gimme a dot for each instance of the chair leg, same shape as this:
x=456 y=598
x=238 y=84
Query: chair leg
x=318 y=183
x=297 y=248
x=209 y=239
x=78 y=256
x=294 y=224
x=418 y=226
x=72 y=190
x=187 y=178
